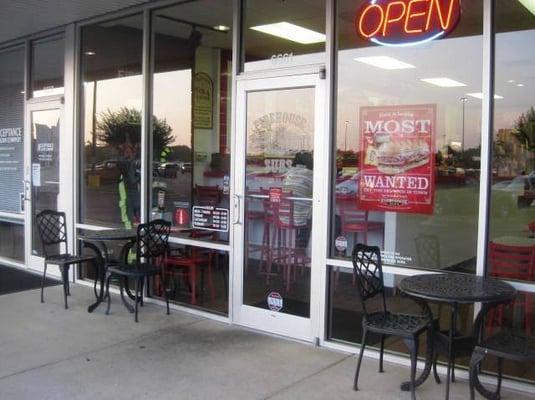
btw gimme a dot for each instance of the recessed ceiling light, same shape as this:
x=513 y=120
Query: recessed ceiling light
x=520 y=85
x=90 y=53
x=479 y=95
x=288 y=31
x=443 y=82
x=384 y=62
x=221 y=28
x=529 y=4
x=511 y=81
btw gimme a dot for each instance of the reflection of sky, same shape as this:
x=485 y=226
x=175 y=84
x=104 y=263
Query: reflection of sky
x=172 y=100
x=365 y=85
x=459 y=59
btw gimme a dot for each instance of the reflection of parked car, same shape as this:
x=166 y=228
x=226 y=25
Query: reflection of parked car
x=513 y=194
x=185 y=167
x=168 y=170
x=347 y=188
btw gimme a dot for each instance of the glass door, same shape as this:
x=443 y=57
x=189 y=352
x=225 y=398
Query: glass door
x=276 y=202
x=42 y=178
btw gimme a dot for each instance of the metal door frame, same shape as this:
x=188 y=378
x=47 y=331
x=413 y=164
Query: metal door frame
x=307 y=329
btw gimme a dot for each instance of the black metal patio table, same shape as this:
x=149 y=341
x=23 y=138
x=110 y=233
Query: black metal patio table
x=453 y=290
x=96 y=241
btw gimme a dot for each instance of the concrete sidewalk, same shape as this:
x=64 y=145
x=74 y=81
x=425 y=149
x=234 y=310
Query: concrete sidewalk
x=47 y=352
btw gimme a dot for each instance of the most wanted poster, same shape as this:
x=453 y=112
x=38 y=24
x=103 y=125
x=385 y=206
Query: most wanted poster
x=397 y=162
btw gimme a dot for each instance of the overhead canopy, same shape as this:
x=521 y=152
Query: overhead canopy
x=24 y=17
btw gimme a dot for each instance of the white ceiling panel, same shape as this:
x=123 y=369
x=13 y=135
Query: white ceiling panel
x=23 y=17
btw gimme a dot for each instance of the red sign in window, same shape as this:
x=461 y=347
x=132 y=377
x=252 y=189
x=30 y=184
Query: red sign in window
x=406 y=22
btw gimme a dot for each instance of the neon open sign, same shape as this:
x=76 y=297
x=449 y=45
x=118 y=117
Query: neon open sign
x=406 y=22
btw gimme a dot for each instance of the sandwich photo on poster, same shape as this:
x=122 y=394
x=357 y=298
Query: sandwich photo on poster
x=397 y=160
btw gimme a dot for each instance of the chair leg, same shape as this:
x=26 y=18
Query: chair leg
x=413 y=348
x=67 y=281
x=65 y=277
x=141 y=292
x=108 y=296
x=136 y=300
x=527 y=314
x=381 y=354
x=475 y=361
x=43 y=284
x=165 y=292
x=357 y=371
x=500 y=372
x=435 y=372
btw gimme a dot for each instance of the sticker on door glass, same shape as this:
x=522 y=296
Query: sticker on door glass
x=274 y=301
x=340 y=243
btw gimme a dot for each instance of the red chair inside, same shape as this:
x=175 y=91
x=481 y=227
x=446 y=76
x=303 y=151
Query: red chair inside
x=355 y=221
x=187 y=263
x=512 y=262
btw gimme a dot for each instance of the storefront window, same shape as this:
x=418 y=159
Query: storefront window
x=47 y=67
x=512 y=220
x=196 y=277
x=11 y=129
x=12 y=243
x=280 y=34
x=408 y=130
x=110 y=136
x=191 y=107
x=511 y=249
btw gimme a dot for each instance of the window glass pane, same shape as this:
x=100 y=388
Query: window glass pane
x=196 y=277
x=346 y=313
x=408 y=145
x=191 y=114
x=283 y=33
x=512 y=228
x=11 y=129
x=110 y=134
x=12 y=243
x=47 y=67
x=517 y=317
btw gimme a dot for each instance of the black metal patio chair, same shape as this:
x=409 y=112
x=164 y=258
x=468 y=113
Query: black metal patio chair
x=53 y=233
x=368 y=272
x=151 y=250
x=504 y=345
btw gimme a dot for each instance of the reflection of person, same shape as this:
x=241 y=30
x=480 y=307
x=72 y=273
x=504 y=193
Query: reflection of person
x=129 y=203
x=299 y=180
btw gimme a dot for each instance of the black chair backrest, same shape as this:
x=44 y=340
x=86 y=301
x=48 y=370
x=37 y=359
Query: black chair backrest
x=152 y=239
x=368 y=272
x=52 y=229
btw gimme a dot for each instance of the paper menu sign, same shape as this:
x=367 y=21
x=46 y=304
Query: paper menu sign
x=397 y=161
x=36 y=174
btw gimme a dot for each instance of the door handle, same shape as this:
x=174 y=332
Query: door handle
x=26 y=192
x=237 y=208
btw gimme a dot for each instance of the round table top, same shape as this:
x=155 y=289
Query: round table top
x=457 y=288
x=108 y=234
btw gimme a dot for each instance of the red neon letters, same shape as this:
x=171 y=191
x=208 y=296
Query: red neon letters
x=396 y=22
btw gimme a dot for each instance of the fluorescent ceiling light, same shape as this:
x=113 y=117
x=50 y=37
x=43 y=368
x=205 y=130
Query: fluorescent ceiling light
x=479 y=95
x=529 y=4
x=292 y=32
x=384 y=62
x=443 y=82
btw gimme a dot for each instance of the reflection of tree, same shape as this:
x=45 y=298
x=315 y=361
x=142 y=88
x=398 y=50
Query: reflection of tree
x=124 y=126
x=525 y=129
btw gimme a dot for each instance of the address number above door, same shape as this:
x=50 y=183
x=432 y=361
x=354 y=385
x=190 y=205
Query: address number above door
x=406 y=22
